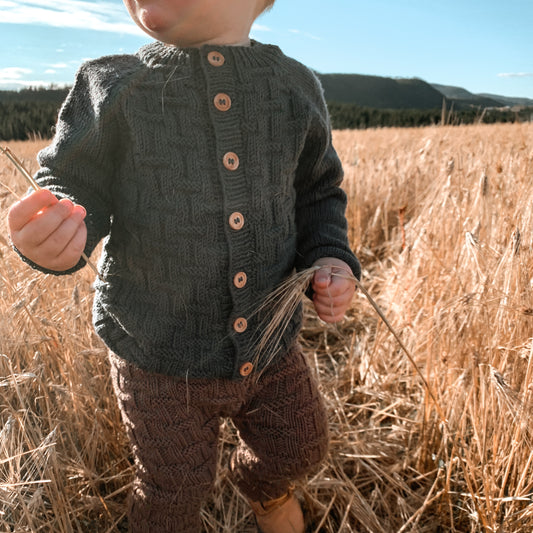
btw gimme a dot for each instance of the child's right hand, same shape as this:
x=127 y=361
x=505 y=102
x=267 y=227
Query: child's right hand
x=48 y=231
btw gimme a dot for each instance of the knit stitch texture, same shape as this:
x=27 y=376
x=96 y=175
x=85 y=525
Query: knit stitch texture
x=173 y=426
x=142 y=145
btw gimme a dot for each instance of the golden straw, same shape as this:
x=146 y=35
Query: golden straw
x=285 y=300
x=29 y=178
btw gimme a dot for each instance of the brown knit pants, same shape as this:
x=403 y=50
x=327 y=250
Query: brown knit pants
x=173 y=427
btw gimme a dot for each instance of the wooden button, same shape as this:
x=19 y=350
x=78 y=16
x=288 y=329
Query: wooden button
x=231 y=161
x=222 y=102
x=239 y=280
x=216 y=59
x=246 y=369
x=240 y=325
x=236 y=220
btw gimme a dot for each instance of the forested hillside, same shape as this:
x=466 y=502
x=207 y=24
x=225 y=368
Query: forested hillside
x=380 y=93
x=29 y=112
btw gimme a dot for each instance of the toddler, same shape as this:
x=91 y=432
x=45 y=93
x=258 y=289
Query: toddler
x=205 y=162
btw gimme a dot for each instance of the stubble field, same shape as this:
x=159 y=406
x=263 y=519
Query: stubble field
x=441 y=219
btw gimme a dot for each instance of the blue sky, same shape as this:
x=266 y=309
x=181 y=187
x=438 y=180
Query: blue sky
x=481 y=45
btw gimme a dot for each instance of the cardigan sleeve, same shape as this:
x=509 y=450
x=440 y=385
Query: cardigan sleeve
x=321 y=202
x=79 y=164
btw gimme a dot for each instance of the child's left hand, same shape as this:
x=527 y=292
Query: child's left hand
x=332 y=294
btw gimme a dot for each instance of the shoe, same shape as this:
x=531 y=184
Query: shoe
x=282 y=515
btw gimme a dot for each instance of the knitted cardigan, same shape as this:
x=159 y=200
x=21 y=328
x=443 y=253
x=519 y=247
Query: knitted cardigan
x=211 y=175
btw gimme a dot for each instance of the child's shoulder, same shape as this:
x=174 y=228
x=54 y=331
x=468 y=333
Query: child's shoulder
x=104 y=78
x=304 y=82
x=111 y=67
x=302 y=76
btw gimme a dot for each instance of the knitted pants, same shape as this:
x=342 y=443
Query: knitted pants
x=173 y=427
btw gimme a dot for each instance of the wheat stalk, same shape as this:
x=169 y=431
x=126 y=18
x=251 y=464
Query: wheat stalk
x=279 y=306
x=285 y=300
x=29 y=178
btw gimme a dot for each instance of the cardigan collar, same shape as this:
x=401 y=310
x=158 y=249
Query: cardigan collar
x=158 y=54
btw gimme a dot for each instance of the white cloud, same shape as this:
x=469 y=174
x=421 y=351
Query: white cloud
x=98 y=15
x=260 y=27
x=13 y=73
x=515 y=75
x=305 y=34
x=58 y=65
x=12 y=77
x=7 y=84
x=16 y=78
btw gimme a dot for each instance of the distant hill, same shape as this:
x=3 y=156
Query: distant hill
x=462 y=96
x=482 y=99
x=380 y=92
x=511 y=100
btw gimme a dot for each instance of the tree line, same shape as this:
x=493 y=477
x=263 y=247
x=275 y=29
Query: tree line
x=350 y=116
x=20 y=120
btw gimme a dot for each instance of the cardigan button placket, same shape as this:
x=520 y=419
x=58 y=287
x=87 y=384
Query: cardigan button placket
x=221 y=84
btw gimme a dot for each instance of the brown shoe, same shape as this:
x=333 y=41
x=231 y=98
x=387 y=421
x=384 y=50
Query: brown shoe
x=282 y=515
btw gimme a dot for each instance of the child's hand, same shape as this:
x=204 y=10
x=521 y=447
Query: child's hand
x=332 y=293
x=48 y=231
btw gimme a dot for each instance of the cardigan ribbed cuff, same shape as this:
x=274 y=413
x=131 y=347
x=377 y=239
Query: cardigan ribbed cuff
x=81 y=263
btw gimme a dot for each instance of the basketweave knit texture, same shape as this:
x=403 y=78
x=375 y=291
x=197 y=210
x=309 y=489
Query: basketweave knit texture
x=142 y=146
x=173 y=426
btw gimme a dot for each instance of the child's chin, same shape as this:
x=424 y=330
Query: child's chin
x=153 y=20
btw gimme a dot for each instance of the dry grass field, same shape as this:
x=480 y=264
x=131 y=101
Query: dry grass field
x=441 y=219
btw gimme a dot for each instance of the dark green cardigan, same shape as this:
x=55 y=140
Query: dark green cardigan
x=144 y=143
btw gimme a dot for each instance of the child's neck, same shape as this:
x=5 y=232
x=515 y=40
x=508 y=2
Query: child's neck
x=222 y=40
x=241 y=42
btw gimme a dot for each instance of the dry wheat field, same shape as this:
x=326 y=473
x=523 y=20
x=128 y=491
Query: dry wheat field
x=436 y=437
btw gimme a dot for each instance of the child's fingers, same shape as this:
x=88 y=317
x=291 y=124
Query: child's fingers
x=60 y=238
x=44 y=223
x=22 y=212
x=333 y=310
x=63 y=248
x=71 y=252
x=331 y=303
x=322 y=278
x=333 y=289
x=340 y=300
x=337 y=285
x=328 y=313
